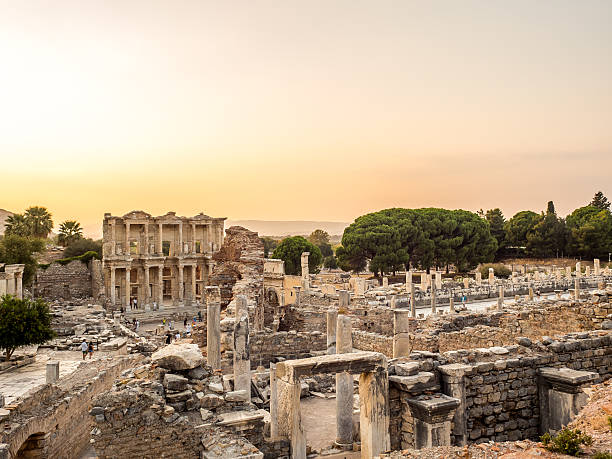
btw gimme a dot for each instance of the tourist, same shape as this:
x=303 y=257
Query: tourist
x=135 y=303
x=168 y=338
x=178 y=335
x=170 y=326
x=84 y=348
x=164 y=322
x=188 y=329
x=137 y=325
x=90 y=349
x=199 y=316
x=185 y=322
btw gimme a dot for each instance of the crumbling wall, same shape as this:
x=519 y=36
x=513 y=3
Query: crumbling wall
x=57 y=282
x=239 y=266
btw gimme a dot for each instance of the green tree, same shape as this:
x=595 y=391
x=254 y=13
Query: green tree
x=392 y=239
x=39 y=220
x=496 y=220
x=518 y=226
x=23 y=323
x=21 y=250
x=547 y=237
x=330 y=262
x=320 y=238
x=589 y=232
x=290 y=251
x=269 y=245
x=17 y=225
x=600 y=201
x=69 y=231
x=81 y=246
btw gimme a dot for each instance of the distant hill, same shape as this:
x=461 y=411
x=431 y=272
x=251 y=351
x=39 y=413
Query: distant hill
x=286 y=228
x=4 y=214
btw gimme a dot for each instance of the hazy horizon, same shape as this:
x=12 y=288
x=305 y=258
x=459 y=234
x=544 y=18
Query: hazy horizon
x=316 y=111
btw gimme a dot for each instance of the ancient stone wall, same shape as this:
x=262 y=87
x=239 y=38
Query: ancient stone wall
x=57 y=282
x=60 y=413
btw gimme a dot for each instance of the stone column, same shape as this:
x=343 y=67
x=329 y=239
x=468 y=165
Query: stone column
x=587 y=271
x=478 y=278
x=423 y=281
x=259 y=312
x=568 y=271
x=596 y=267
x=160 y=285
x=145 y=249
x=412 y=301
x=491 y=276
x=344 y=387
x=296 y=290
x=578 y=269
x=128 y=286
x=530 y=293
x=289 y=416
x=432 y=419
x=160 y=232
x=52 y=372
x=385 y=281
x=213 y=327
x=561 y=395
x=344 y=299
x=401 y=333
x=10 y=283
x=500 y=300
x=273 y=403
x=374 y=412
x=19 y=285
x=180 y=239
x=433 y=296
x=305 y=271
x=147 y=296
x=332 y=318
x=453 y=384
x=409 y=280
x=577 y=289
x=181 y=285
x=193 y=283
x=113 y=238
x=126 y=249
x=111 y=293
x=438 y=275
x=466 y=283
x=451 y=305
x=242 y=358
x=241 y=306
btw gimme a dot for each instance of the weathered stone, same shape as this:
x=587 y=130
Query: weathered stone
x=175 y=382
x=178 y=357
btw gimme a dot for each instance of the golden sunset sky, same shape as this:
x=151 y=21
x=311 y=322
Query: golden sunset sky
x=303 y=110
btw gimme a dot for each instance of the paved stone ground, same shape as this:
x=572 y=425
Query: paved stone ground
x=15 y=383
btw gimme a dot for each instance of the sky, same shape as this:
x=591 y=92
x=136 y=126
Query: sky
x=303 y=110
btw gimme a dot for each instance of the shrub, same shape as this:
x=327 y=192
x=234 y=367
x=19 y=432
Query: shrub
x=602 y=455
x=610 y=421
x=567 y=441
x=81 y=246
x=499 y=269
x=85 y=258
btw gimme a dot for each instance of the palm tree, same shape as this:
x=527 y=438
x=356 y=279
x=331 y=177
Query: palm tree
x=17 y=225
x=39 y=220
x=69 y=231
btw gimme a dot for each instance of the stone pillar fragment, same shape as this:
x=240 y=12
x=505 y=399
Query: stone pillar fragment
x=500 y=299
x=578 y=269
x=242 y=358
x=451 y=306
x=344 y=386
x=52 y=374
x=412 y=301
x=401 y=333
x=478 y=278
x=596 y=267
x=409 y=280
x=438 y=275
x=491 y=276
x=213 y=327
x=146 y=281
x=332 y=318
x=453 y=384
x=273 y=403
x=305 y=271
x=466 y=282
x=577 y=289
x=112 y=286
x=344 y=298
x=561 y=395
x=433 y=296
x=128 y=287
x=432 y=419
x=296 y=291
x=289 y=417
x=241 y=306
x=374 y=412
x=530 y=293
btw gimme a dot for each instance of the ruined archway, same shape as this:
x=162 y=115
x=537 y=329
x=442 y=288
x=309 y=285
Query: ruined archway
x=33 y=447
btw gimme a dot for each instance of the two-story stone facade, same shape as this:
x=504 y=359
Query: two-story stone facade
x=164 y=260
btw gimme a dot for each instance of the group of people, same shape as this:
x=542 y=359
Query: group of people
x=87 y=348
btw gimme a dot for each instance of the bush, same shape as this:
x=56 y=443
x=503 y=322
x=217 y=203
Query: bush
x=567 y=441
x=602 y=455
x=82 y=246
x=499 y=269
x=85 y=258
x=610 y=421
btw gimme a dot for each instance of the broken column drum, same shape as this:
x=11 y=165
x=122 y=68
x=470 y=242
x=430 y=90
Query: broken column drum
x=344 y=386
x=332 y=318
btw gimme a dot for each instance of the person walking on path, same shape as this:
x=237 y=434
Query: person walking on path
x=84 y=348
x=90 y=349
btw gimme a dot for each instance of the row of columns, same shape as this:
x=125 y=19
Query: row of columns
x=11 y=281
x=145 y=296
x=157 y=246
